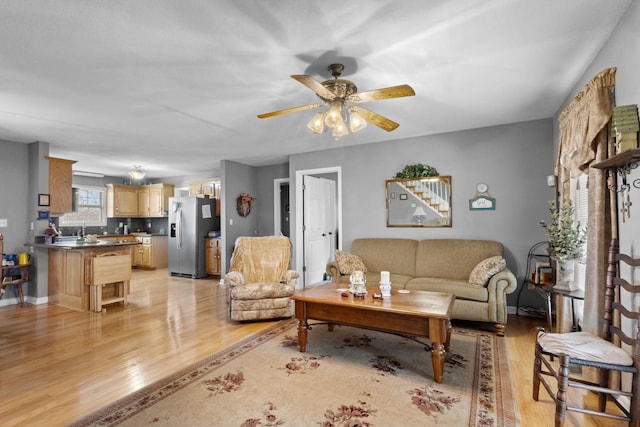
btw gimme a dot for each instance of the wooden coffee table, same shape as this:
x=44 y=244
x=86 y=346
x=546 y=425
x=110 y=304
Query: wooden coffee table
x=418 y=313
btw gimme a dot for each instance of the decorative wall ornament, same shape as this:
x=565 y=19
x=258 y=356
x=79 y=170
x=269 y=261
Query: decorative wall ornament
x=482 y=200
x=243 y=204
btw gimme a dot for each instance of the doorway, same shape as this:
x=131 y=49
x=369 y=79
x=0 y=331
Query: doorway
x=281 y=207
x=318 y=221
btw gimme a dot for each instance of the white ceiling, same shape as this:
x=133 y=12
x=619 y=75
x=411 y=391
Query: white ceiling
x=175 y=86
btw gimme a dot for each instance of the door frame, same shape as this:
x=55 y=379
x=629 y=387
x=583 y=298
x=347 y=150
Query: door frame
x=299 y=245
x=277 y=185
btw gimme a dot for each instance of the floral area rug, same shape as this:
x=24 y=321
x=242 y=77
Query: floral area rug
x=348 y=377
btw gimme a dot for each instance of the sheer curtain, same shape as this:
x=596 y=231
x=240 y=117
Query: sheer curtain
x=585 y=139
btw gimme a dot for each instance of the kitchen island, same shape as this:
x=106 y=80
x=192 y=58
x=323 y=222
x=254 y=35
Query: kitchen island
x=77 y=268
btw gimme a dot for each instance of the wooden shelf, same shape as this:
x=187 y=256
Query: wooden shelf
x=622 y=159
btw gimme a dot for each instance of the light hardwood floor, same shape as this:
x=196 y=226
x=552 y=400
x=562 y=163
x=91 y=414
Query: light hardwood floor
x=60 y=364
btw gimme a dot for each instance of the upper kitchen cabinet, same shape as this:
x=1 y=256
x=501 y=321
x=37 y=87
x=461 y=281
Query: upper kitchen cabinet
x=205 y=187
x=60 y=185
x=122 y=201
x=159 y=199
x=143 y=201
x=138 y=201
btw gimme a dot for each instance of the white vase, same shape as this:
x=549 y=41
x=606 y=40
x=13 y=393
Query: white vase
x=565 y=275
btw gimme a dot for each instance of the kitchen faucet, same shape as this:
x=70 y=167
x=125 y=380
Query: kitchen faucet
x=55 y=230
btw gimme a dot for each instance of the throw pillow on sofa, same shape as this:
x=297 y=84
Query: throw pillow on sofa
x=348 y=263
x=482 y=272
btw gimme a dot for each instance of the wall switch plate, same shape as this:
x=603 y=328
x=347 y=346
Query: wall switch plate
x=4 y=222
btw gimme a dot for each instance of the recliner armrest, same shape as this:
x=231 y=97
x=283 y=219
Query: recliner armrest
x=234 y=278
x=290 y=277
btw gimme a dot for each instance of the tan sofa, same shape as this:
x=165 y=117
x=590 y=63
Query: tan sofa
x=439 y=265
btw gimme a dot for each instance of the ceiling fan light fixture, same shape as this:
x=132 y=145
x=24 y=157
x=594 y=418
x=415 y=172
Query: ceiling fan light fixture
x=356 y=122
x=137 y=173
x=334 y=115
x=340 y=129
x=316 y=124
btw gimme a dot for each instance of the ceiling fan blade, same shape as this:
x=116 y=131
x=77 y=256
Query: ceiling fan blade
x=315 y=86
x=289 y=110
x=384 y=93
x=376 y=119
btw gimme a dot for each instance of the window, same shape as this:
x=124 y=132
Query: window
x=580 y=197
x=89 y=207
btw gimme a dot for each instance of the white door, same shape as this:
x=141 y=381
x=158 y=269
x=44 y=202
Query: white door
x=319 y=226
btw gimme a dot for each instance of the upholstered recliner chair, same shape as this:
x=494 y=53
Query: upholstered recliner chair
x=259 y=282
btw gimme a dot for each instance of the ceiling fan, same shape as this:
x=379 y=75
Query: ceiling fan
x=340 y=98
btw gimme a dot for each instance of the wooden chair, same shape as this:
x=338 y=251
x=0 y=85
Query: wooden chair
x=556 y=352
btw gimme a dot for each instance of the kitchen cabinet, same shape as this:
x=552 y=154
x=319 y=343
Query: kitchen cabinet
x=60 y=185
x=142 y=253
x=159 y=199
x=143 y=201
x=152 y=253
x=122 y=201
x=212 y=256
x=138 y=201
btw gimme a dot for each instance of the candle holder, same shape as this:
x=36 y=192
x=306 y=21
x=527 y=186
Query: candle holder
x=385 y=289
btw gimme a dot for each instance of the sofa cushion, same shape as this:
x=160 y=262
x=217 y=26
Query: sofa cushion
x=398 y=256
x=348 y=263
x=460 y=288
x=452 y=258
x=482 y=272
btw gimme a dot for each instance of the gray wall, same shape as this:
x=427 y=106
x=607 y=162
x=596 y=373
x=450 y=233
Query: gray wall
x=14 y=195
x=237 y=178
x=513 y=160
x=24 y=173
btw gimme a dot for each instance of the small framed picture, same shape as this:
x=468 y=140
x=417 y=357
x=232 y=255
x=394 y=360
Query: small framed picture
x=403 y=196
x=546 y=275
x=43 y=200
x=43 y=215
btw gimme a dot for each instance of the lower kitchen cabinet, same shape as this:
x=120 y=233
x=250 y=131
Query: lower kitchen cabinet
x=212 y=256
x=152 y=253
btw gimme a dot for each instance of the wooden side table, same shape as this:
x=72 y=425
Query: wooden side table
x=15 y=275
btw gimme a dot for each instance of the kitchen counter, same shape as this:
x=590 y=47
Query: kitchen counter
x=74 y=244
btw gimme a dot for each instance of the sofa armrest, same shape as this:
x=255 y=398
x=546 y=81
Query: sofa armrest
x=233 y=279
x=500 y=284
x=333 y=270
x=503 y=282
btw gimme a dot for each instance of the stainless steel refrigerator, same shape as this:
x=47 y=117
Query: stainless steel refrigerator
x=190 y=220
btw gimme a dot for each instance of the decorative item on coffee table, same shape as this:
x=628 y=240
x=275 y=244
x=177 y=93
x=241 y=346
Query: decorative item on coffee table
x=357 y=284
x=566 y=238
x=385 y=284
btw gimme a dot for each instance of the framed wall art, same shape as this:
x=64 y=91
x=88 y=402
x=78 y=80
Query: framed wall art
x=43 y=200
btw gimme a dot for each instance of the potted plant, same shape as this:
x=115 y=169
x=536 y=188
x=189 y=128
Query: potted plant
x=566 y=239
x=416 y=171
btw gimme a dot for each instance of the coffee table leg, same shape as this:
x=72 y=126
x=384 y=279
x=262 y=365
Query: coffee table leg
x=439 y=334
x=303 y=327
